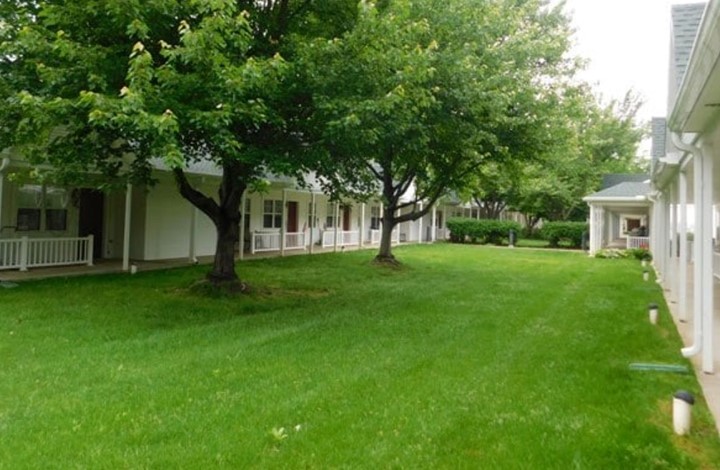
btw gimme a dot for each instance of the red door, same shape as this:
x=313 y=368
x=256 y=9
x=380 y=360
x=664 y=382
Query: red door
x=292 y=219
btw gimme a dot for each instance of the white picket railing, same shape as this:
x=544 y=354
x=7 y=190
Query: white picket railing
x=295 y=241
x=265 y=241
x=638 y=242
x=24 y=253
x=344 y=238
x=373 y=236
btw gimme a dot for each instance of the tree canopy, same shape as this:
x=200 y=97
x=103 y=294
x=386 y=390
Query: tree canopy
x=115 y=86
x=421 y=94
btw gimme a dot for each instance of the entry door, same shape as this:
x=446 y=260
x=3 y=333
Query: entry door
x=90 y=218
x=292 y=217
x=347 y=212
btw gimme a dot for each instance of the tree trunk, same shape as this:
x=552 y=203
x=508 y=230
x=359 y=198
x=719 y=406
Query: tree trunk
x=228 y=231
x=225 y=214
x=388 y=224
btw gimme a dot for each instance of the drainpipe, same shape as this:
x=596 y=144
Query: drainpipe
x=696 y=153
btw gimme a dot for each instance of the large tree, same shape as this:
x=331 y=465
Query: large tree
x=112 y=86
x=597 y=138
x=420 y=94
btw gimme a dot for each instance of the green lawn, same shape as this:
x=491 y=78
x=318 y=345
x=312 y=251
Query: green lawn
x=468 y=357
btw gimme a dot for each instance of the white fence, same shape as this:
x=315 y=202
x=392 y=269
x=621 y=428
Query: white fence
x=295 y=241
x=344 y=238
x=265 y=241
x=638 y=242
x=270 y=241
x=23 y=253
x=373 y=236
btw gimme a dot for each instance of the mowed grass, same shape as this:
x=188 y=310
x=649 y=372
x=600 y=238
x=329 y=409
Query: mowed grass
x=467 y=357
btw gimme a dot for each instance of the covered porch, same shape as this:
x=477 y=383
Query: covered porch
x=620 y=217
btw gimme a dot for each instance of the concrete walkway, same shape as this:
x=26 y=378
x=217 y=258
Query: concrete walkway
x=710 y=383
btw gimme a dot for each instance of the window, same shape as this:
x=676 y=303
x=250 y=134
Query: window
x=28 y=219
x=375 y=218
x=330 y=221
x=34 y=200
x=272 y=213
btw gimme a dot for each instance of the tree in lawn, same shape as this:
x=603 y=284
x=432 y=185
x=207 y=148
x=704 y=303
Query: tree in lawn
x=599 y=139
x=107 y=87
x=420 y=94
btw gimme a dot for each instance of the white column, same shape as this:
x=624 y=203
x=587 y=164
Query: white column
x=312 y=222
x=126 y=228
x=362 y=225
x=283 y=222
x=397 y=230
x=673 y=267
x=420 y=226
x=337 y=222
x=191 y=254
x=683 y=259
x=597 y=217
x=243 y=202
x=706 y=253
x=433 y=231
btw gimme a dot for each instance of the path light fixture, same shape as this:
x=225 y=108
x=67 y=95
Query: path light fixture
x=682 y=411
x=653 y=313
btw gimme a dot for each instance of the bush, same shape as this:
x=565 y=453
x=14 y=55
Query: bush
x=463 y=230
x=571 y=232
x=640 y=254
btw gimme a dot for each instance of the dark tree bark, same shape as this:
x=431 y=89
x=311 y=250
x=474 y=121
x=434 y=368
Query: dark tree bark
x=225 y=215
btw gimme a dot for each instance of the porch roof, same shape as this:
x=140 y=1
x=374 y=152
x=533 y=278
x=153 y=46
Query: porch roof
x=629 y=191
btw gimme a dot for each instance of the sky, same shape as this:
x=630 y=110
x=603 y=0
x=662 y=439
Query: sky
x=627 y=43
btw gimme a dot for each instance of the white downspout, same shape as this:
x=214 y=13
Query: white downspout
x=696 y=153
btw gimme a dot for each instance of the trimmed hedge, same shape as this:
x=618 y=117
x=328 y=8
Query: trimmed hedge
x=555 y=232
x=463 y=230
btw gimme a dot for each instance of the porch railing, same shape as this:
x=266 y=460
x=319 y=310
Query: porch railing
x=441 y=234
x=344 y=238
x=638 y=242
x=295 y=241
x=373 y=236
x=265 y=241
x=24 y=253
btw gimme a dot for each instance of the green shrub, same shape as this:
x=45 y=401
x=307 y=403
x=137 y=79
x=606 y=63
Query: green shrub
x=640 y=253
x=464 y=230
x=571 y=232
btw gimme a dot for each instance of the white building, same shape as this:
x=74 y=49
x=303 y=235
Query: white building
x=685 y=188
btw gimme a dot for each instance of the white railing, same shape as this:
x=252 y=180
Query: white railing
x=295 y=241
x=638 y=242
x=344 y=238
x=716 y=264
x=373 y=236
x=441 y=234
x=23 y=253
x=265 y=241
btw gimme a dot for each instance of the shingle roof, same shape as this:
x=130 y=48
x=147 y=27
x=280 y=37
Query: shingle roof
x=627 y=190
x=614 y=179
x=685 y=23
